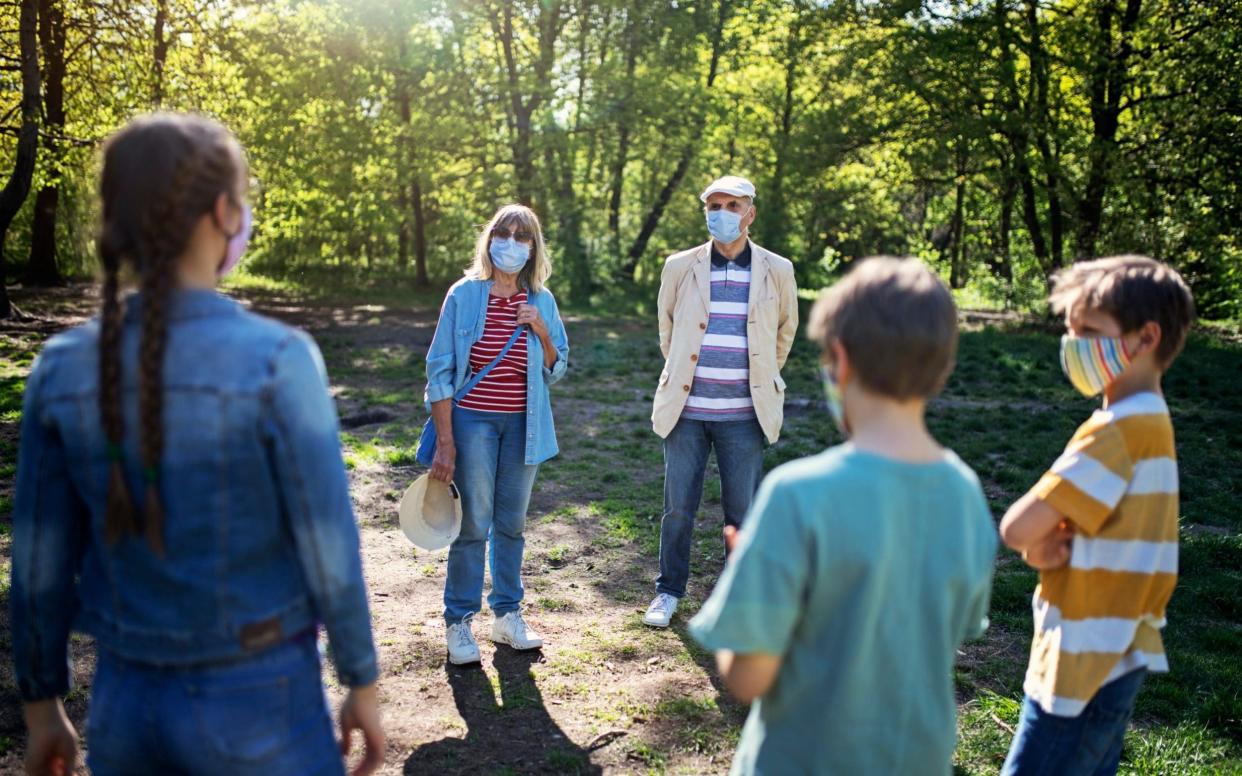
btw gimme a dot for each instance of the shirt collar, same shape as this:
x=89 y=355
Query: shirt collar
x=186 y=303
x=742 y=260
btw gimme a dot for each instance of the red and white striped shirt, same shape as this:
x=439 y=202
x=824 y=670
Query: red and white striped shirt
x=504 y=388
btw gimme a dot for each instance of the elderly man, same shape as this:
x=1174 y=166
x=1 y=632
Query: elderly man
x=728 y=313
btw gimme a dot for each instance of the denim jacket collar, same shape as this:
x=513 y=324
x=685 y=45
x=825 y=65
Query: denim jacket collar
x=186 y=303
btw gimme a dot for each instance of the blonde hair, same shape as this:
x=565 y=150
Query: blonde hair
x=535 y=274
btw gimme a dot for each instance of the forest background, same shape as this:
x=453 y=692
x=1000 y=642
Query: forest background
x=997 y=140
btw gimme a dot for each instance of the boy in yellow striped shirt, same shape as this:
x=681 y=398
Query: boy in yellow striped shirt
x=1101 y=525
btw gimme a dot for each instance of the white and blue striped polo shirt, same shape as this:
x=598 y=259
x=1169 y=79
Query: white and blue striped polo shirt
x=721 y=387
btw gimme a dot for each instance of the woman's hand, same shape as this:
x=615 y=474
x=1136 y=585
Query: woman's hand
x=360 y=712
x=52 y=746
x=529 y=314
x=444 y=465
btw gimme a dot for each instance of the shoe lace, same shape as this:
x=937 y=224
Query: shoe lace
x=465 y=638
x=516 y=623
x=661 y=603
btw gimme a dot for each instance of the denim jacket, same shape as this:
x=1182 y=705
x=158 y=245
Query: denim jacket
x=461 y=325
x=259 y=531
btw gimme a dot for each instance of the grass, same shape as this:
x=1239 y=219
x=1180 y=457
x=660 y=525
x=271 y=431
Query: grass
x=1007 y=411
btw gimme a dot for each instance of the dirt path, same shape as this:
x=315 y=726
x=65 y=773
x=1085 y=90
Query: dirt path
x=606 y=694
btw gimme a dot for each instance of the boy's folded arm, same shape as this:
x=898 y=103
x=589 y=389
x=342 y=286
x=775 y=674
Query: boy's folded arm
x=748 y=676
x=1028 y=522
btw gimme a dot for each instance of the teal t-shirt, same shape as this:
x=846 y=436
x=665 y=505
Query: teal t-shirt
x=865 y=574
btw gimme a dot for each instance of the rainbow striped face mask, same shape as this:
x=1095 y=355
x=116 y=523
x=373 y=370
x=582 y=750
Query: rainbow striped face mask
x=1093 y=363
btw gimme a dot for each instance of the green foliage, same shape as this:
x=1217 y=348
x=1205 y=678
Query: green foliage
x=996 y=140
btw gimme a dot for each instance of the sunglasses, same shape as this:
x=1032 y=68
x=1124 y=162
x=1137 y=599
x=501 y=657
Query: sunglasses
x=520 y=235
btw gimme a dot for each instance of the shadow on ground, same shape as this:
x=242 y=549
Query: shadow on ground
x=514 y=731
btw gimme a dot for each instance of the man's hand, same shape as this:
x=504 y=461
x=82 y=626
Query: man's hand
x=730 y=536
x=360 y=712
x=52 y=745
x=1053 y=551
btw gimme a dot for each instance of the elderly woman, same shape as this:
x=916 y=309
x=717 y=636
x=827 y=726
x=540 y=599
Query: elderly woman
x=491 y=440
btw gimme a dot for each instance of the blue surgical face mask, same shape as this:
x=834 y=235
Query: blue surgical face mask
x=724 y=225
x=508 y=255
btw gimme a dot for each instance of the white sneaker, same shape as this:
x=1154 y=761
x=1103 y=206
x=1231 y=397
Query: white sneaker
x=462 y=648
x=660 y=611
x=512 y=630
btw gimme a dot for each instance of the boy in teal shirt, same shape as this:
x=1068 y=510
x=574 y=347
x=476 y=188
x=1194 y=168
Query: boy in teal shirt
x=860 y=571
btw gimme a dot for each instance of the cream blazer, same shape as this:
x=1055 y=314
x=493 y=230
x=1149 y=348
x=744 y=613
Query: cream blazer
x=685 y=298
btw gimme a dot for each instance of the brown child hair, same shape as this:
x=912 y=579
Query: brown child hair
x=161 y=173
x=1133 y=290
x=897 y=322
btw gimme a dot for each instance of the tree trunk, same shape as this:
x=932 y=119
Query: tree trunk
x=42 y=269
x=957 y=272
x=160 y=53
x=1002 y=263
x=403 y=228
x=776 y=215
x=625 y=113
x=639 y=246
x=420 y=234
x=1042 y=124
x=1107 y=81
x=522 y=110
x=403 y=159
x=1013 y=127
x=18 y=186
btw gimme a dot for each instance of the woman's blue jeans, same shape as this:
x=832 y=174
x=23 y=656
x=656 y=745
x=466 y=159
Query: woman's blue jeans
x=495 y=482
x=264 y=715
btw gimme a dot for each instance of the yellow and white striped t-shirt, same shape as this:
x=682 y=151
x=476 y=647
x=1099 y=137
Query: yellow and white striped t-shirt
x=1100 y=616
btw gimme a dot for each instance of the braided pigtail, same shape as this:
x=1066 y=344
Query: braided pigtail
x=156 y=287
x=164 y=236
x=161 y=174
x=119 y=518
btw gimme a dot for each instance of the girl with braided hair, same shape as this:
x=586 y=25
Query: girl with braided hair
x=181 y=498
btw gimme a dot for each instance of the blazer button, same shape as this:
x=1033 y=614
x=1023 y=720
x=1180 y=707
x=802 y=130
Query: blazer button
x=685 y=388
x=703 y=326
x=694 y=356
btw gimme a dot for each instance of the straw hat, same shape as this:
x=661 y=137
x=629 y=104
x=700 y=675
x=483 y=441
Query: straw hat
x=430 y=513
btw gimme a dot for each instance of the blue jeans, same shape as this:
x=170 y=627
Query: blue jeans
x=1086 y=745
x=739 y=456
x=495 y=484
x=264 y=715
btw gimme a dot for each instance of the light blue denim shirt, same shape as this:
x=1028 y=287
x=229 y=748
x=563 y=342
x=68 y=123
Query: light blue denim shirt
x=461 y=325
x=260 y=535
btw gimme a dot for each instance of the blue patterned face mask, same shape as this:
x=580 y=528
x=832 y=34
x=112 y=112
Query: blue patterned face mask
x=724 y=225
x=832 y=393
x=508 y=255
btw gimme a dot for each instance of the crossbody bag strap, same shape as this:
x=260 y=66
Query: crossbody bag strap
x=469 y=386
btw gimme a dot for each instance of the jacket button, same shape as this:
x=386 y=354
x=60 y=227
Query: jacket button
x=685 y=388
x=703 y=326
x=694 y=356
